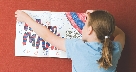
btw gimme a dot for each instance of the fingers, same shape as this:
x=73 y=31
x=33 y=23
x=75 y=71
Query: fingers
x=89 y=11
x=21 y=16
x=15 y=15
x=16 y=12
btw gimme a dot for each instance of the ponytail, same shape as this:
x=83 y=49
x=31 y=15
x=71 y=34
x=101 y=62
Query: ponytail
x=106 y=60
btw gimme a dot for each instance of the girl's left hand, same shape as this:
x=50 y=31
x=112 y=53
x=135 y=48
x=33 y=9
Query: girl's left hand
x=89 y=11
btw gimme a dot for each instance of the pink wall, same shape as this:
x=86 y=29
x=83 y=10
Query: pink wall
x=123 y=11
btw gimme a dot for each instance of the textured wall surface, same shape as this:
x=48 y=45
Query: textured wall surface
x=123 y=11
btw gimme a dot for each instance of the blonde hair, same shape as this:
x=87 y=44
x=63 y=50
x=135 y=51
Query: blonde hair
x=102 y=23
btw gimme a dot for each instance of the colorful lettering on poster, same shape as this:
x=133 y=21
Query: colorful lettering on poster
x=36 y=41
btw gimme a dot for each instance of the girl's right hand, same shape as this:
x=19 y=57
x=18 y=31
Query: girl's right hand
x=22 y=16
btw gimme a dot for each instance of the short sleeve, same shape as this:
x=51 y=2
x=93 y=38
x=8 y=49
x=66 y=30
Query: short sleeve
x=70 y=46
x=118 y=45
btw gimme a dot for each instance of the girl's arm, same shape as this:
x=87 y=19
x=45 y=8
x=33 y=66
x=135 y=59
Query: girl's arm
x=42 y=31
x=119 y=36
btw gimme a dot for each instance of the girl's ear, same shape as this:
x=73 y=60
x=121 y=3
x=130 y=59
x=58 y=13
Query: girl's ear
x=90 y=29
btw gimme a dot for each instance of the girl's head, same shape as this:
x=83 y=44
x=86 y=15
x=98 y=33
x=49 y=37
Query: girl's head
x=102 y=24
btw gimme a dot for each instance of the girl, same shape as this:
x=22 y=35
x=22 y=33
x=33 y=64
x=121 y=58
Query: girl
x=95 y=52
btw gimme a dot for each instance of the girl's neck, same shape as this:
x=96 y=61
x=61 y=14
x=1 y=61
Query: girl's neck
x=93 y=38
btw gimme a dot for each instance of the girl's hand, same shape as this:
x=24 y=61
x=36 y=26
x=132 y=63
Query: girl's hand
x=89 y=11
x=22 y=16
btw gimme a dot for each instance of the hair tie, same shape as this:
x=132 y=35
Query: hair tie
x=106 y=37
